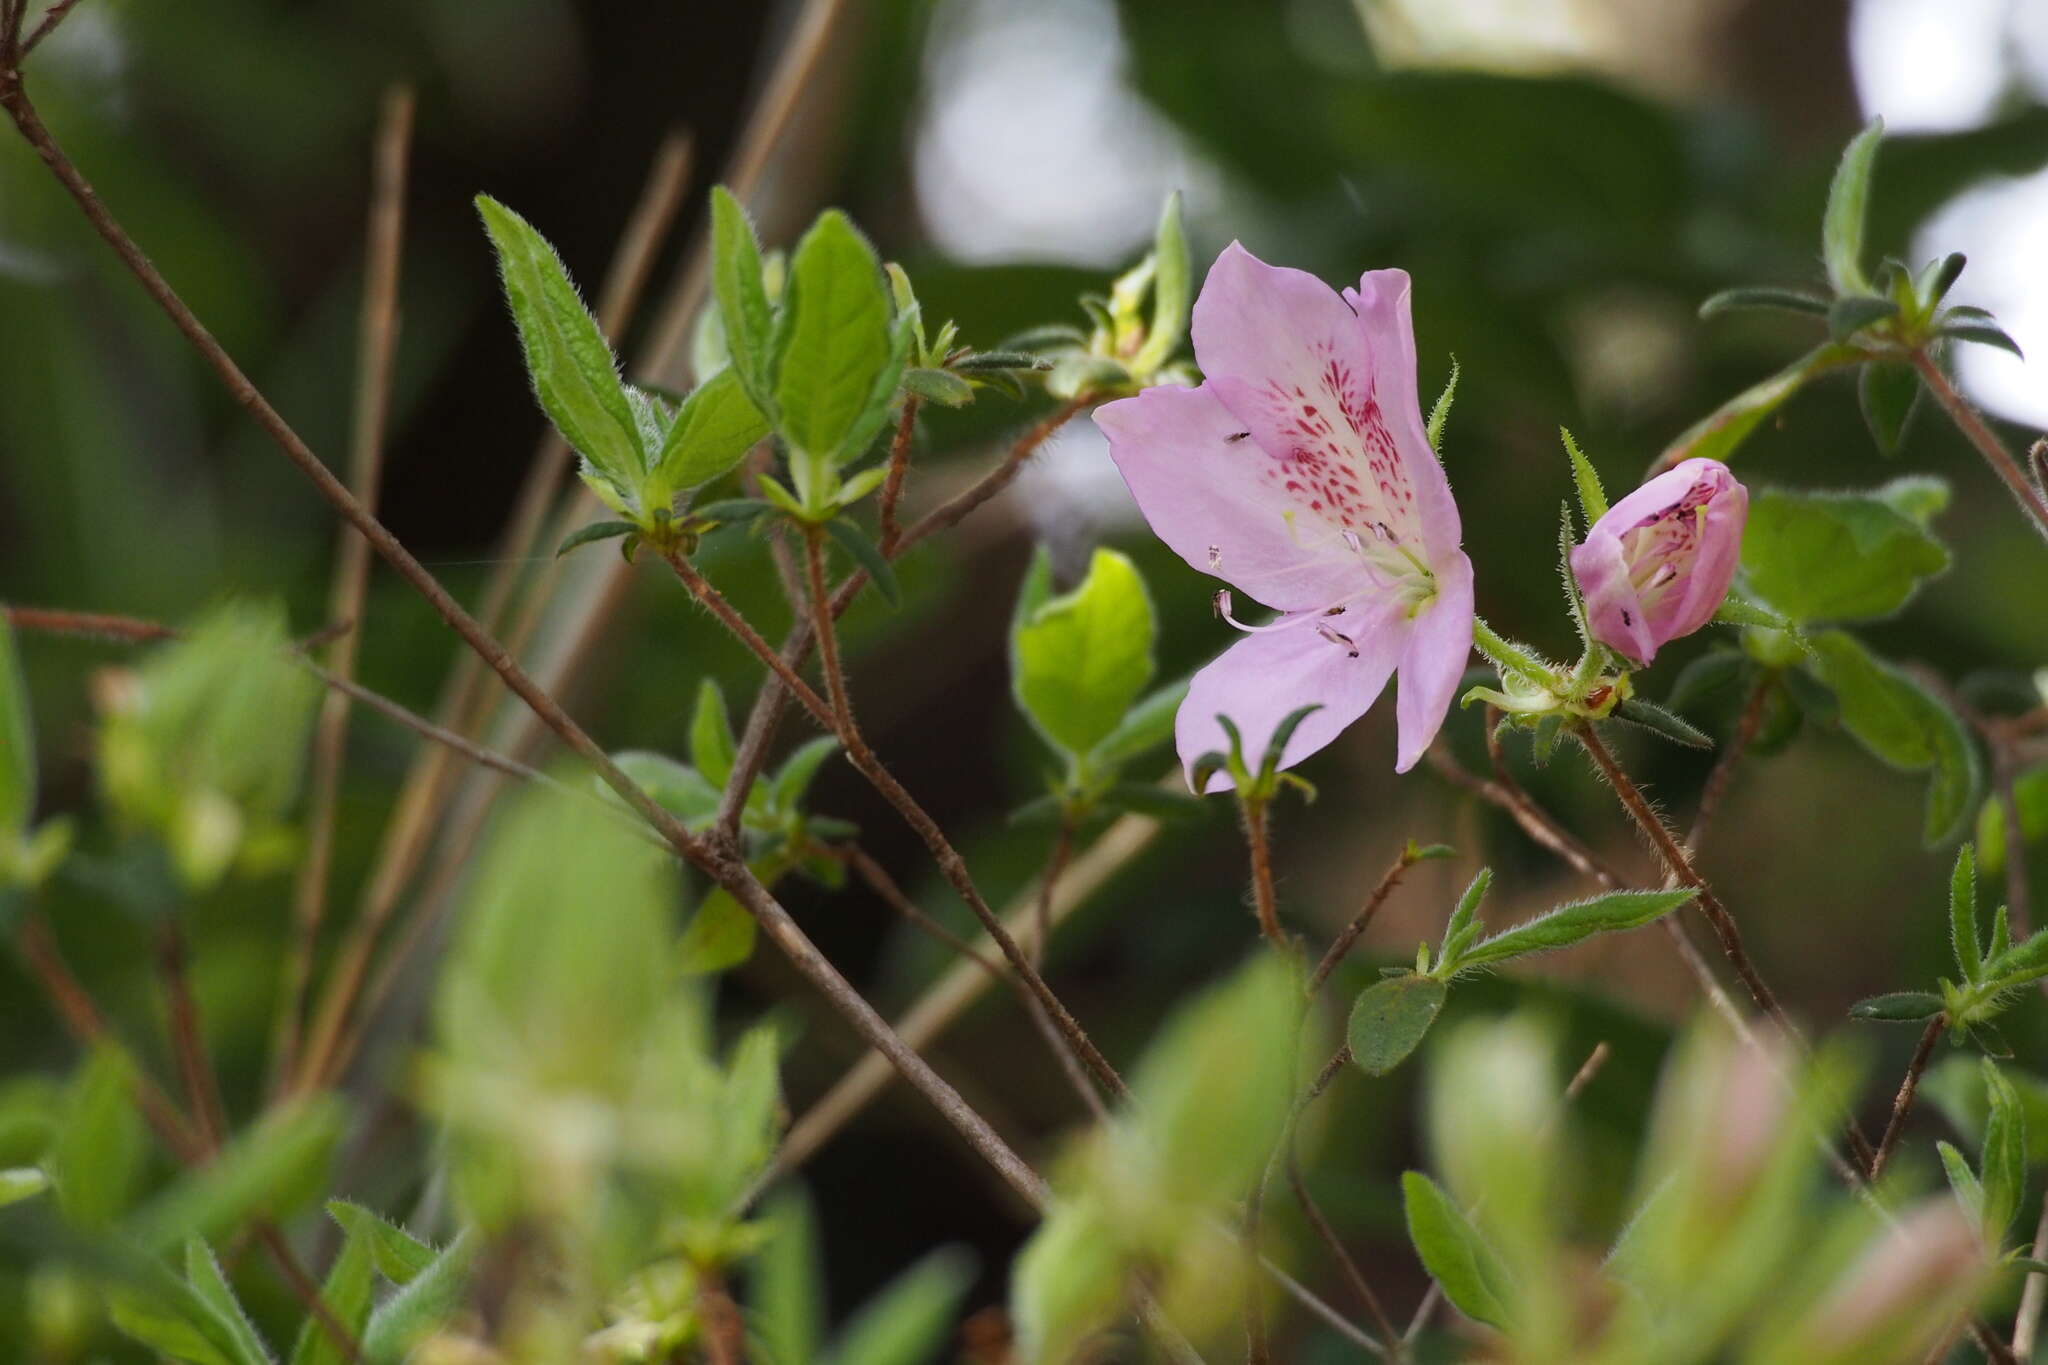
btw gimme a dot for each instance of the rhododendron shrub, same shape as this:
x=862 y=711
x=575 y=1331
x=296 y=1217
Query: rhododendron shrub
x=556 y=1102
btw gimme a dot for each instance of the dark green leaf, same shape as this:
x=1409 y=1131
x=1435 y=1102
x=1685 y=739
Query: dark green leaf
x=97 y=1151
x=787 y=1286
x=1836 y=556
x=983 y=361
x=1763 y=296
x=2003 y=1169
x=268 y=1170
x=1968 y=1189
x=1962 y=914
x=1390 y=1019
x=1161 y=803
x=1906 y=726
x=1889 y=395
x=1592 y=498
x=1452 y=1250
x=1717 y=673
x=399 y=1256
x=1648 y=715
x=938 y=386
x=1899 y=1007
x=835 y=337
x=1984 y=334
x=203 y=1273
x=1944 y=278
x=733 y=511
x=1276 y=747
x=597 y=530
x=869 y=556
x=737 y=284
x=347 y=1295
x=1573 y=923
x=572 y=368
x=1848 y=207
x=794 y=777
x=1850 y=315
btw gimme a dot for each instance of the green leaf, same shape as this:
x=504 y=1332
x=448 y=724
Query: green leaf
x=911 y=1320
x=1850 y=315
x=21 y=1182
x=938 y=386
x=1968 y=1190
x=1067 y=1283
x=794 y=777
x=203 y=1273
x=1984 y=334
x=864 y=552
x=347 y=1294
x=571 y=366
x=1389 y=1020
x=1763 y=296
x=717 y=426
x=2004 y=1167
x=181 y=1327
x=1962 y=915
x=718 y=937
x=421 y=1307
x=399 y=1256
x=2030 y=796
x=1573 y=923
x=788 y=1282
x=1905 y=726
x=1647 y=715
x=743 y=309
x=268 y=1170
x=1463 y=924
x=1716 y=435
x=1836 y=556
x=597 y=530
x=1171 y=289
x=835 y=336
x=1848 y=207
x=1160 y=803
x=711 y=742
x=1888 y=394
x=1899 y=1007
x=96 y=1153
x=1452 y=1250
x=1148 y=724
x=17 y=742
x=1592 y=498
x=1080 y=660
x=679 y=789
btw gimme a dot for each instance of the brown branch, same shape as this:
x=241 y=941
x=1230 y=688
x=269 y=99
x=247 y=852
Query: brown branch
x=725 y=1334
x=52 y=17
x=1341 y=946
x=722 y=864
x=1334 y=1244
x=899 y=466
x=376 y=348
x=1979 y=433
x=951 y=865
x=188 y=1045
x=1902 y=1104
x=1048 y=884
x=883 y=885
x=91 y=625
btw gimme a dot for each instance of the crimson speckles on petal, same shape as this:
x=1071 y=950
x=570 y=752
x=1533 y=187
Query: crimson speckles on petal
x=1658 y=565
x=1300 y=472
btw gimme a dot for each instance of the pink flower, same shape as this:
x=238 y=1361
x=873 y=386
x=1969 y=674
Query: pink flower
x=1659 y=563
x=1301 y=473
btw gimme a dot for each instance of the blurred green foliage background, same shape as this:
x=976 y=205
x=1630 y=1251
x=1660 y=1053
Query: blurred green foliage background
x=1560 y=224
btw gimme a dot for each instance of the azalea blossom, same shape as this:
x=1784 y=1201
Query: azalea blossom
x=1300 y=472
x=1658 y=564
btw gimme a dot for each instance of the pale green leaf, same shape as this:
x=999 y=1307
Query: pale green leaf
x=1081 y=660
x=835 y=336
x=1452 y=1250
x=1838 y=556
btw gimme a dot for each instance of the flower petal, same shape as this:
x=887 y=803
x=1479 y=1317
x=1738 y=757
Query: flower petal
x=1286 y=354
x=1206 y=495
x=1265 y=677
x=1433 y=661
x=1614 y=610
x=1382 y=304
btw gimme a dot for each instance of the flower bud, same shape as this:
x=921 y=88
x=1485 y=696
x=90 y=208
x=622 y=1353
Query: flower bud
x=1658 y=564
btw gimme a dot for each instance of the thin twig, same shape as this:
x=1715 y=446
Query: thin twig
x=882 y=884
x=1048 y=883
x=1902 y=1104
x=899 y=466
x=376 y=348
x=2032 y=501
x=188 y=1045
x=52 y=17
x=1334 y=1244
x=723 y=865
x=1341 y=946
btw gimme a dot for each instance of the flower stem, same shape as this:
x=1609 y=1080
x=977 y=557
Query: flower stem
x=1973 y=426
x=1265 y=902
x=1509 y=656
x=1342 y=945
x=899 y=466
x=1902 y=1104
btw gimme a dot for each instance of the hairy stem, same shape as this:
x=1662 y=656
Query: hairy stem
x=1341 y=946
x=1979 y=433
x=899 y=466
x=1265 y=901
x=1902 y=1103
